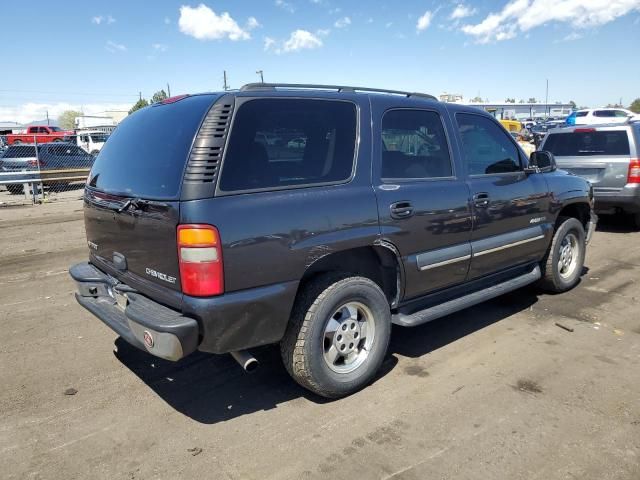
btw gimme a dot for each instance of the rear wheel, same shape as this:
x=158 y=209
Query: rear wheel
x=635 y=219
x=562 y=265
x=17 y=142
x=338 y=335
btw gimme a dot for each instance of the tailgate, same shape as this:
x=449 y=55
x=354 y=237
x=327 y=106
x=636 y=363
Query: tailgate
x=137 y=241
x=609 y=172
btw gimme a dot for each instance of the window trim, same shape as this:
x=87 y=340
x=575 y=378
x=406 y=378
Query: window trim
x=240 y=102
x=511 y=139
x=392 y=180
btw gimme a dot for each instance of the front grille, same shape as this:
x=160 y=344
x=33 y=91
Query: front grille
x=208 y=147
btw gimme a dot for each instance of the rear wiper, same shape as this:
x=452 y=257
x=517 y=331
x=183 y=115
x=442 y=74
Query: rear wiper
x=139 y=204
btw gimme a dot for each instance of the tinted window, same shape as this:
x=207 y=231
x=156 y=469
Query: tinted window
x=414 y=145
x=283 y=143
x=145 y=156
x=487 y=147
x=578 y=144
x=604 y=113
x=20 y=151
x=581 y=114
x=65 y=150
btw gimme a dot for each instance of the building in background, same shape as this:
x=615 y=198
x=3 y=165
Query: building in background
x=450 y=97
x=10 y=127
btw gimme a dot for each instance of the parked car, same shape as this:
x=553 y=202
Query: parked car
x=320 y=253
x=593 y=116
x=39 y=134
x=91 y=141
x=26 y=161
x=608 y=156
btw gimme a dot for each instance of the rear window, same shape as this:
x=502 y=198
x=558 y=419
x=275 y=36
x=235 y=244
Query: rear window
x=145 y=156
x=20 y=151
x=580 y=144
x=280 y=143
x=581 y=114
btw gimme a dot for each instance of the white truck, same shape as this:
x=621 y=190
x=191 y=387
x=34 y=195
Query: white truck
x=91 y=141
x=93 y=121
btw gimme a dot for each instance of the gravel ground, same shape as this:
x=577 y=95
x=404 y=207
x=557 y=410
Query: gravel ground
x=494 y=392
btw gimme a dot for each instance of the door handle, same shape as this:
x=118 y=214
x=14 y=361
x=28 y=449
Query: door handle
x=401 y=210
x=481 y=200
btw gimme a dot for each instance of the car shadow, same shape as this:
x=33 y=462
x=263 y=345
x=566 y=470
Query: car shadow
x=213 y=388
x=618 y=223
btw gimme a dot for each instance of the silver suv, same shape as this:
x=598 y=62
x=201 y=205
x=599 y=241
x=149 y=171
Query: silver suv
x=608 y=156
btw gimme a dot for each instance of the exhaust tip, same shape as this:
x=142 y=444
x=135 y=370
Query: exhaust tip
x=247 y=361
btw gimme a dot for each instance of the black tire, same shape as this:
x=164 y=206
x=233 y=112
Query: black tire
x=15 y=189
x=552 y=279
x=635 y=219
x=17 y=142
x=304 y=343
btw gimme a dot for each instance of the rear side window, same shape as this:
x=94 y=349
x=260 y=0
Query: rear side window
x=278 y=143
x=581 y=114
x=20 y=151
x=582 y=144
x=414 y=145
x=146 y=155
x=488 y=148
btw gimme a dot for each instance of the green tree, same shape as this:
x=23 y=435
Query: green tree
x=476 y=100
x=67 y=119
x=510 y=100
x=573 y=104
x=138 y=105
x=159 y=96
x=635 y=106
x=532 y=100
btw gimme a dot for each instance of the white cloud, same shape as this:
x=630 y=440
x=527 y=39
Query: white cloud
x=424 y=21
x=159 y=47
x=204 y=24
x=31 y=111
x=252 y=22
x=300 y=40
x=523 y=15
x=342 y=22
x=572 y=36
x=114 y=47
x=462 y=11
x=269 y=43
x=99 y=19
x=286 y=6
x=323 y=32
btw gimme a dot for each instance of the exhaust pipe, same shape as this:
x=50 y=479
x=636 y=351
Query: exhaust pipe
x=246 y=360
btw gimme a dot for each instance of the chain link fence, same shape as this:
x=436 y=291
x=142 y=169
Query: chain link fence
x=36 y=168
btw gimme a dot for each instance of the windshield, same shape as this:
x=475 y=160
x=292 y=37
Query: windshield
x=579 y=144
x=145 y=156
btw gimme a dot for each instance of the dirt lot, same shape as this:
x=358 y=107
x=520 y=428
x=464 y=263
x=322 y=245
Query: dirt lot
x=494 y=392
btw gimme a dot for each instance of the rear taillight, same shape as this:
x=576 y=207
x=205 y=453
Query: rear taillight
x=634 y=171
x=32 y=163
x=200 y=257
x=584 y=130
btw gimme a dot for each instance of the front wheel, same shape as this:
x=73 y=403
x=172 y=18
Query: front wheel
x=338 y=335
x=562 y=265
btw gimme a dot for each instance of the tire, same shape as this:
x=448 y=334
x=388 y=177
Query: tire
x=562 y=265
x=308 y=346
x=17 y=142
x=58 y=140
x=15 y=189
x=635 y=220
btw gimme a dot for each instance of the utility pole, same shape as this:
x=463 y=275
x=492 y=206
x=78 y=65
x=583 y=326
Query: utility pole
x=260 y=72
x=47 y=117
x=225 y=85
x=546 y=100
x=140 y=96
x=168 y=90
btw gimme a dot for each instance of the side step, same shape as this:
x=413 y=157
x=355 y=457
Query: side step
x=446 y=308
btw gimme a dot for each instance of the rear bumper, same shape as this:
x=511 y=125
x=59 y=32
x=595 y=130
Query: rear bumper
x=226 y=323
x=140 y=321
x=626 y=199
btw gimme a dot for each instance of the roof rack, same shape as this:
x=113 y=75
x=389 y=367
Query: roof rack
x=338 y=88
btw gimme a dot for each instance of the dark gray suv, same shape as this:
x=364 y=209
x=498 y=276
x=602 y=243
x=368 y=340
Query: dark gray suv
x=315 y=217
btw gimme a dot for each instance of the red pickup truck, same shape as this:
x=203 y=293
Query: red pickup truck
x=40 y=134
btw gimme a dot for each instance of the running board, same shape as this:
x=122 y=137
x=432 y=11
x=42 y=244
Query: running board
x=446 y=308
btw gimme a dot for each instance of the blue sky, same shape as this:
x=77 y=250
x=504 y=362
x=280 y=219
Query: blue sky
x=101 y=54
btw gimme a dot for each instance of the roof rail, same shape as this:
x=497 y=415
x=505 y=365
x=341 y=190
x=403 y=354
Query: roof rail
x=338 y=88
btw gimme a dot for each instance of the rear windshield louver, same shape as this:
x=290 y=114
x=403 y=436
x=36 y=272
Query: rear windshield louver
x=208 y=147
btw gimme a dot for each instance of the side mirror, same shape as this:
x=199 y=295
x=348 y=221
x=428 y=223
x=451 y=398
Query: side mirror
x=541 y=161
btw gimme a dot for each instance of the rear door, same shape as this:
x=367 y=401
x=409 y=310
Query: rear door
x=132 y=205
x=511 y=220
x=423 y=202
x=599 y=155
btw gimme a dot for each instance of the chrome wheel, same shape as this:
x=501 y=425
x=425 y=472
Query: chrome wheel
x=568 y=255
x=348 y=337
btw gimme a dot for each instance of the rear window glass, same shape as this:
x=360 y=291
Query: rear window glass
x=20 y=151
x=579 y=144
x=145 y=156
x=278 y=143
